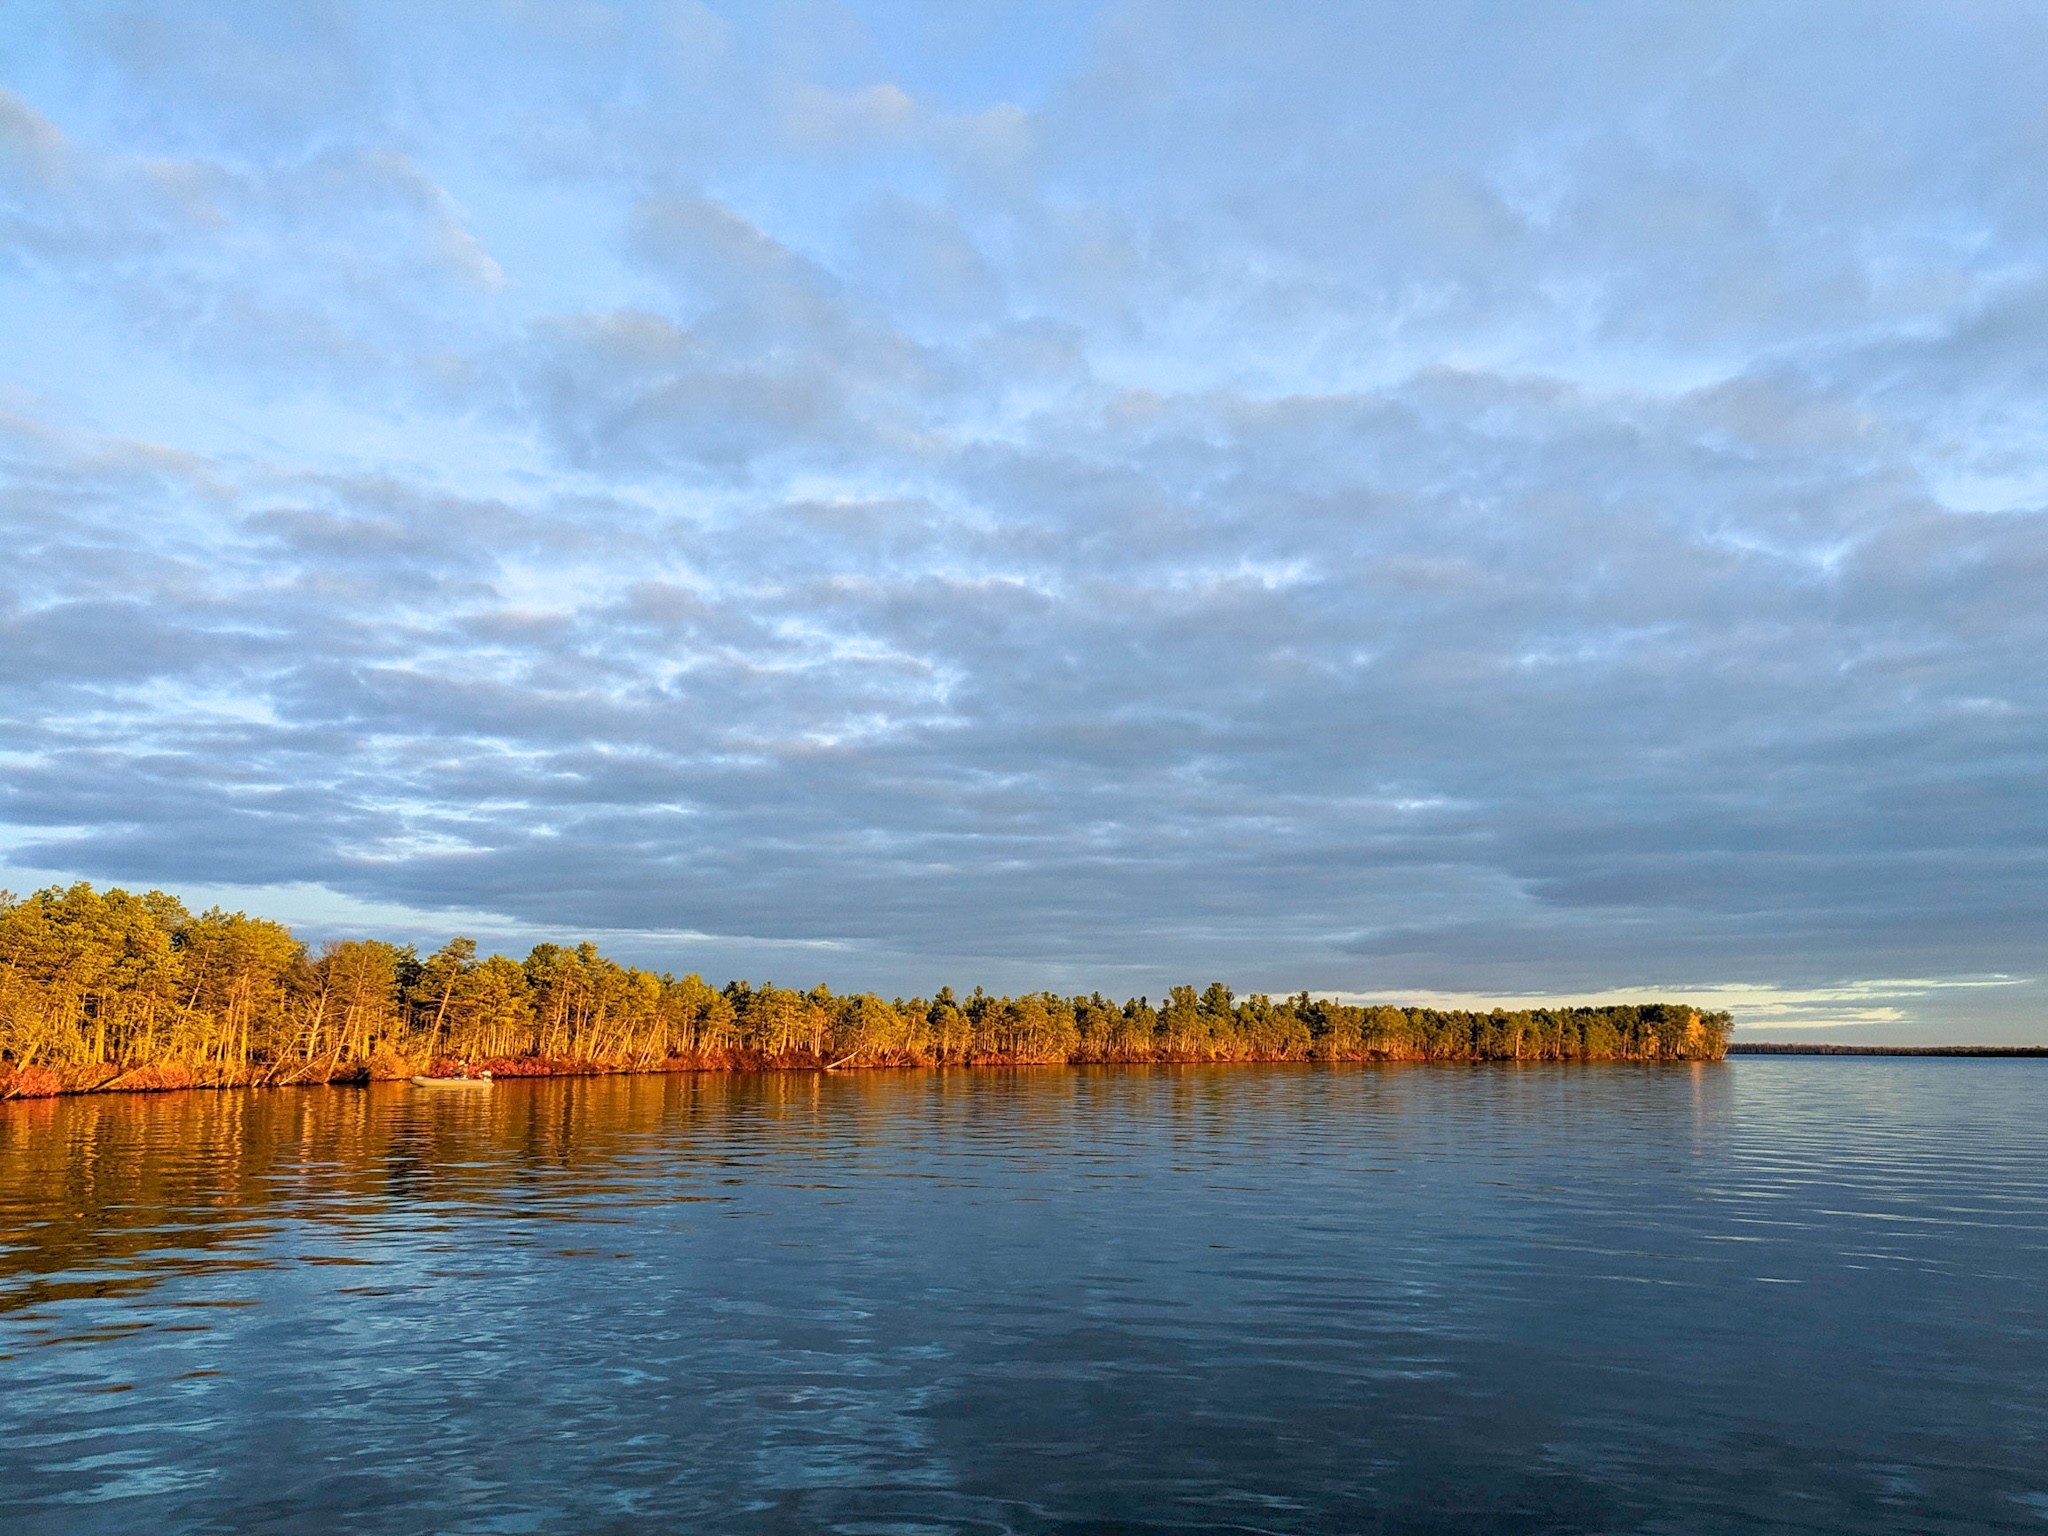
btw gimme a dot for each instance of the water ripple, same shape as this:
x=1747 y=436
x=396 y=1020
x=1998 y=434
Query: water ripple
x=1775 y=1295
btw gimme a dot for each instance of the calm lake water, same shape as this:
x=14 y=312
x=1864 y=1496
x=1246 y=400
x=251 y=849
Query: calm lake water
x=1772 y=1294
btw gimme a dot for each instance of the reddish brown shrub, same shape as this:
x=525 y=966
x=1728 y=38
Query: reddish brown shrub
x=28 y=1082
x=155 y=1076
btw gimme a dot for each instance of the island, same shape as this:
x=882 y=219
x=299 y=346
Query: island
x=112 y=989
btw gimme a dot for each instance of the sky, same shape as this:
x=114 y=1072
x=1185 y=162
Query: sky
x=1450 y=501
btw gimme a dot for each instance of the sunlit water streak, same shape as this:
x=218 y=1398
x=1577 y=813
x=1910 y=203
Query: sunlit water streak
x=1774 y=1294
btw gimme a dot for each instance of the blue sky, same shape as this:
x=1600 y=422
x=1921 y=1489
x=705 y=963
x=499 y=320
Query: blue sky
x=1452 y=500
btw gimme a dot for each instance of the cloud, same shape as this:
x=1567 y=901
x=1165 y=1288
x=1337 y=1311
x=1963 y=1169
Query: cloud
x=848 y=123
x=1358 y=500
x=326 y=267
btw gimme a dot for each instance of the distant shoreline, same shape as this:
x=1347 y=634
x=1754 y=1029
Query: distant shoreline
x=1786 y=1048
x=111 y=991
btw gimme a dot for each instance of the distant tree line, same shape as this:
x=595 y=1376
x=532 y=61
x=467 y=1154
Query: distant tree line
x=113 y=989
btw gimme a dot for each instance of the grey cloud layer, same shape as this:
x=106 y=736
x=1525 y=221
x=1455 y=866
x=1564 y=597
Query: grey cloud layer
x=1522 y=503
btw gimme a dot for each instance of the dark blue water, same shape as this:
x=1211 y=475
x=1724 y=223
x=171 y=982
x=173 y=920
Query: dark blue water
x=1772 y=1295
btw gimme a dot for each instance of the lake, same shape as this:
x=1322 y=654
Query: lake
x=1773 y=1294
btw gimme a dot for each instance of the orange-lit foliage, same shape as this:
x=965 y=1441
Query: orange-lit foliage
x=114 y=990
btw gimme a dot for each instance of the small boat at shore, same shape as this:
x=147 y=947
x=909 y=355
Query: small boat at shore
x=481 y=1080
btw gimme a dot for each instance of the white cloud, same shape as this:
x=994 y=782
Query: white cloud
x=1305 y=499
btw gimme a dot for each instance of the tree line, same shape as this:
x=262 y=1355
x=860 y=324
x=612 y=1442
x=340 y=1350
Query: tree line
x=115 y=989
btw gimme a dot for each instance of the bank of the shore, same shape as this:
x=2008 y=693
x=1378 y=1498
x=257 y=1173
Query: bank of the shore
x=44 y=1081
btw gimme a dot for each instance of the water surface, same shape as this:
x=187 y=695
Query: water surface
x=1772 y=1294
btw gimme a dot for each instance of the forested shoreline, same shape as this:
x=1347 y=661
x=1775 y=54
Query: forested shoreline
x=108 y=990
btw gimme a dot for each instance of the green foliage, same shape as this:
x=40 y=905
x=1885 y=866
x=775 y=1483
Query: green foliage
x=102 y=984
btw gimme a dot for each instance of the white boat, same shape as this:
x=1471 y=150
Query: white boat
x=481 y=1080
